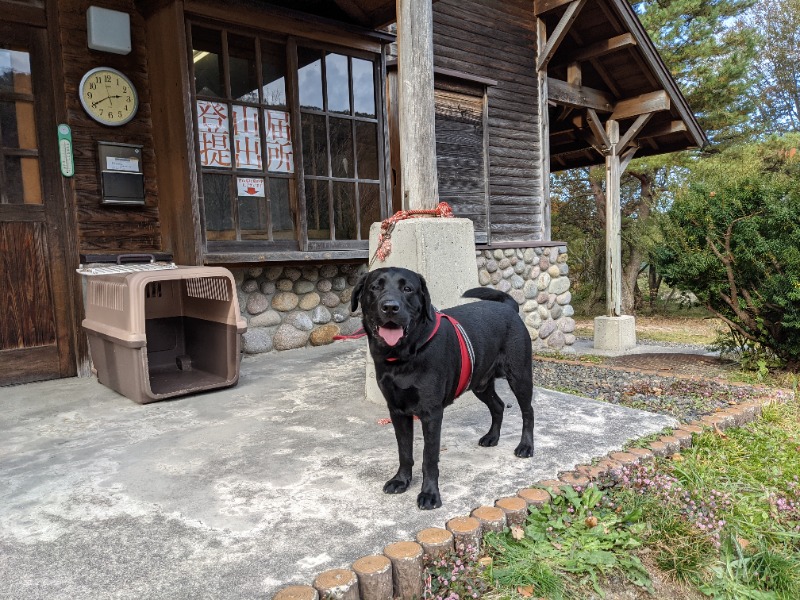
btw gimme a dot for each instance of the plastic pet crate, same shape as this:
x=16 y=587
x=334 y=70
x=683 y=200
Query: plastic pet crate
x=156 y=334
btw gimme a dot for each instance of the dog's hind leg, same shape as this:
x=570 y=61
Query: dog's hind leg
x=489 y=397
x=521 y=383
x=404 y=432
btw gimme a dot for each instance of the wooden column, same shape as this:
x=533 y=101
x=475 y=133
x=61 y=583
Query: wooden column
x=613 y=223
x=544 y=132
x=420 y=187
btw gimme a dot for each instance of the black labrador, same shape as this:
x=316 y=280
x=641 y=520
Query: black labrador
x=418 y=364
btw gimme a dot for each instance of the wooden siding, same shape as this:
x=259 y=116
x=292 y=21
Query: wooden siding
x=460 y=157
x=497 y=40
x=105 y=228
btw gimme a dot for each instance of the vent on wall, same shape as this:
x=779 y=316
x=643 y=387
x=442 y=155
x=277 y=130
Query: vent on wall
x=208 y=288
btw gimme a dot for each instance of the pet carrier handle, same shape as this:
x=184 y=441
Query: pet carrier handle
x=134 y=258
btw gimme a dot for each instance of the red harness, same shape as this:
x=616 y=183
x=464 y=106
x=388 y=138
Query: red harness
x=464 y=347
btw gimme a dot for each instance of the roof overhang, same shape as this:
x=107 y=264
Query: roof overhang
x=603 y=65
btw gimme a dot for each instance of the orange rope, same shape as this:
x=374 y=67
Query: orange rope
x=442 y=210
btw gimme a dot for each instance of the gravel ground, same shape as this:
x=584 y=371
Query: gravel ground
x=682 y=398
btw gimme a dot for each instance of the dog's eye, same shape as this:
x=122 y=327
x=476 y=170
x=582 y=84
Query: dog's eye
x=408 y=289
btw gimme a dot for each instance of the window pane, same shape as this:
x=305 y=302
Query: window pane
x=367 y=148
x=309 y=78
x=338 y=83
x=280 y=152
x=363 y=88
x=273 y=74
x=369 y=197
x=17 y=125
x=22 y=185
x=344 y=210
x=242 y=66
x=315 y=145
x=213 y=134
x=15 y=71
x=282 y=220
x=218 y=207
x=247 y=137
x=317 y=210
x=207 y=56
x=342 y=148
x=253 y=218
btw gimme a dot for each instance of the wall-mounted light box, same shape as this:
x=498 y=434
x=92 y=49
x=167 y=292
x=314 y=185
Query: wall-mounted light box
x=109 y=30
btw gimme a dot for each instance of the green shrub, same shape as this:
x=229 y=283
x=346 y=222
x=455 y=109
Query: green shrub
x=733 y=240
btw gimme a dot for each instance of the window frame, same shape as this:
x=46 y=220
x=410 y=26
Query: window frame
x=217 y=249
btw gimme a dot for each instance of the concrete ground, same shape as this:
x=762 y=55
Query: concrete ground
x=235 y=493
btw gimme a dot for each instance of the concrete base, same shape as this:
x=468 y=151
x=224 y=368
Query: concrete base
x=616 y=334
x=442 y=251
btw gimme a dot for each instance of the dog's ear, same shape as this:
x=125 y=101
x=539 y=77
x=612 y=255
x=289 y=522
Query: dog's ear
x=356 y=297
x=428 y=309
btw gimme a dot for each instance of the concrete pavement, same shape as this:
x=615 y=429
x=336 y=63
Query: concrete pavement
x=237 y=492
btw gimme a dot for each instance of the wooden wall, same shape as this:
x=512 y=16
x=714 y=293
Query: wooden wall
x=496 y=39
x=103 y=228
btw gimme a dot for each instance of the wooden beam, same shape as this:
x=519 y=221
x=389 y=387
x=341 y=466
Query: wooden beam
x=574 y=74
x=579 y=96
x=633 y=130
x=542 y=6
x=626 y=158
x=543 y=81
x=555 y=39
x=668 y=129
x=597 y=128
x=646 y=103
x=626 y=40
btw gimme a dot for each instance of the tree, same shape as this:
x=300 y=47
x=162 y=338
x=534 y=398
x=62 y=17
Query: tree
x=778 y=89
x=733 y=239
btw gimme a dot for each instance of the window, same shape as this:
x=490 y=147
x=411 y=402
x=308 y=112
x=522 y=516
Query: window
x=261 y=181
x=19 y=154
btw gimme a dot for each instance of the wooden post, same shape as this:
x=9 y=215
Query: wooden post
x=613 y=224
x=544 y=133
x=418 y=177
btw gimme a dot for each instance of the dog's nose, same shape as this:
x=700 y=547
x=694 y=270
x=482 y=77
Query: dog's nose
x=390 y=307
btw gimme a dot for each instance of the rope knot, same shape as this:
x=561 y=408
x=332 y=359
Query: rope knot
x=442 y=210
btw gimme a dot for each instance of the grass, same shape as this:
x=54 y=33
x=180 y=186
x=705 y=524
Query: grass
x=723 y=520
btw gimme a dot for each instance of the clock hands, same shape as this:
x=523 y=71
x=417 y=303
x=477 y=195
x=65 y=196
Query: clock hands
x=104 y=99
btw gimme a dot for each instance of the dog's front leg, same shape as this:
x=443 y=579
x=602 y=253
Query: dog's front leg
x=404 y=432
x=432 y=431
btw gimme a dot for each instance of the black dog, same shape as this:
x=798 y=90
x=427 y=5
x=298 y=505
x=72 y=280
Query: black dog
x=418 y=356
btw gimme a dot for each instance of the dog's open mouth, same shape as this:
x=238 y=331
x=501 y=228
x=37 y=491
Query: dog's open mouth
x=390 y=333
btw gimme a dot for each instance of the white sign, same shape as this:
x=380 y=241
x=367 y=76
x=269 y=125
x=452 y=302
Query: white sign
x=115 y=163
x=212 y=125
x=246 y=137
x=280 y=155
x=250 y=186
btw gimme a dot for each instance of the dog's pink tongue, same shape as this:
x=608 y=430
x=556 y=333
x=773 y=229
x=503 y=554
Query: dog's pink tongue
x=390 y=335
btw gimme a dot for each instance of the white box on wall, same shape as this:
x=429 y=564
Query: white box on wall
x=108 y=30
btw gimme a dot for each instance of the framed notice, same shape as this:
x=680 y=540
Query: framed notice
x=250 y=187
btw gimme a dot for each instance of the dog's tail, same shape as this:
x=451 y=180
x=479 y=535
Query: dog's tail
x=482 y=293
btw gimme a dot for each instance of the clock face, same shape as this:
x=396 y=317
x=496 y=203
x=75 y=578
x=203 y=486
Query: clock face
x=108 y=96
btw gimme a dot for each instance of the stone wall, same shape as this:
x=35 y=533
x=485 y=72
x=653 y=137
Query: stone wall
x=290 y=307
x=538 y=279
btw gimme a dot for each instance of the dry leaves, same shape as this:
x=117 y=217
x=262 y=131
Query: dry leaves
x=517 y=532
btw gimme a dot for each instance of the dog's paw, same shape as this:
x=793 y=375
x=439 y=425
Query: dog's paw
x=524 y=450
x=489 y=439
x=395 y=486
x=429 y=501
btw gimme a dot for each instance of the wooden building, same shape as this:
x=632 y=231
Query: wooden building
x=258 y=133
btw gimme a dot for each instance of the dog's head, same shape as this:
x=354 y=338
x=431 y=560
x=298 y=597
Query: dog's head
x=394 y=303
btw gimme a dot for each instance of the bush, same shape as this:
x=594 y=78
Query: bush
x=733 y=239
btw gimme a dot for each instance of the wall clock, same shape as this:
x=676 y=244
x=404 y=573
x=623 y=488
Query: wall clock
x=108 y=96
